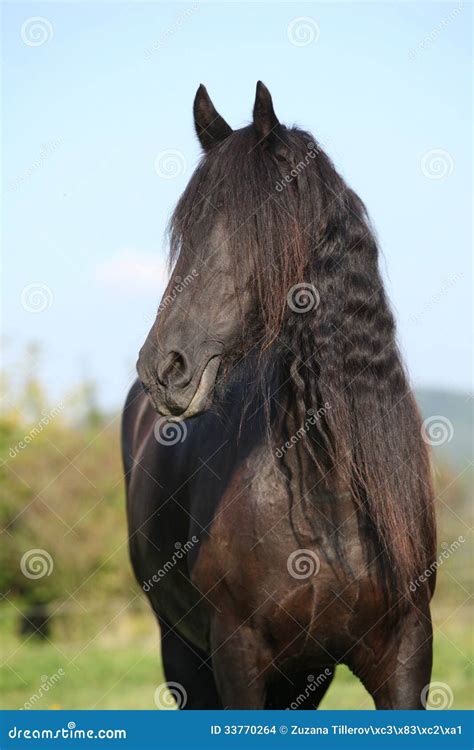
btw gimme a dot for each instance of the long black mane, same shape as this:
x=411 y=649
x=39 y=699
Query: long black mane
x=291 y=220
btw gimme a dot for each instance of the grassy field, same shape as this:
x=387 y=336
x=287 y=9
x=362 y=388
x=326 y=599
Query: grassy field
x=120 y=668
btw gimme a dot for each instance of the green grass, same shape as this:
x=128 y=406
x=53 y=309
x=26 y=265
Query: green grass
x=101 y=678
x=120 y=668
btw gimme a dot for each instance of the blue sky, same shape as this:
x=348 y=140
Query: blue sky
x=384 y=86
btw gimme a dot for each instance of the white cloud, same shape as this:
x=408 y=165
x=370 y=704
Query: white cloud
x=133 y=270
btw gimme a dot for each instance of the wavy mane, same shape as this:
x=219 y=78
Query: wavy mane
x=292 y=220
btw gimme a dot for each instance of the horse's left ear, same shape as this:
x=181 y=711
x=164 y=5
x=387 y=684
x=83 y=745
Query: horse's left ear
x=211 y=128
x=265 y=121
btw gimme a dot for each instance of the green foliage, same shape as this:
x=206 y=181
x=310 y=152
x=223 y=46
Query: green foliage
x=61 y=493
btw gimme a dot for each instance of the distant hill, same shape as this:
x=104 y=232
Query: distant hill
x=454 y=428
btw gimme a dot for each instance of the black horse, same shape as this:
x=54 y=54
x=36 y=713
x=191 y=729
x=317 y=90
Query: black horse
x=280 y=509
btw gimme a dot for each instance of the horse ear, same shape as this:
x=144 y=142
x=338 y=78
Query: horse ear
x=211 y=128
x=265 y=120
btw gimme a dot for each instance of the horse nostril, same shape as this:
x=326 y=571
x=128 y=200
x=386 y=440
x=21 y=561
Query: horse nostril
x=173 y=371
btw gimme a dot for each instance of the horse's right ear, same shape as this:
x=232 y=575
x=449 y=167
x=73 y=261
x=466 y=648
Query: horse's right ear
x=211 y=128
x=265 y=121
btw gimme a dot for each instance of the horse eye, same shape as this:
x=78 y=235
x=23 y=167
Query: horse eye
x=281 y=158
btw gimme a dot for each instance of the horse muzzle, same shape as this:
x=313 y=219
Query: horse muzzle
x=177 y=390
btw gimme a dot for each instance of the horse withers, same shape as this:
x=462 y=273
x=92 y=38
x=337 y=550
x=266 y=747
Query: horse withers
x=279 y=499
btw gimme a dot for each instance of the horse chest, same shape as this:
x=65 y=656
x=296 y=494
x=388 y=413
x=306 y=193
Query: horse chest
x=277 y=559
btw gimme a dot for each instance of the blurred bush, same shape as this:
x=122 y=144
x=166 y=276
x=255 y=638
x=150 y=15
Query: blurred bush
x=61 y=495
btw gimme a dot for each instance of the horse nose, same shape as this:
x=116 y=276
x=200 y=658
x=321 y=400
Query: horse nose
x=174 y=370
